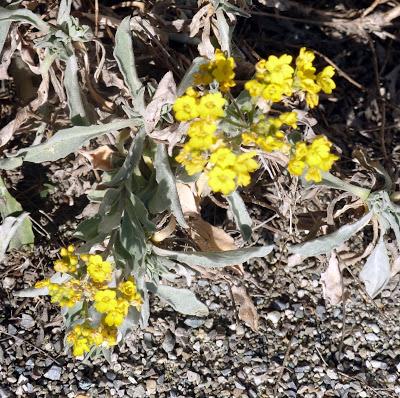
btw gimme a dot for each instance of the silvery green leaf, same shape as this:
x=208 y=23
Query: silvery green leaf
x=137 y=209
x=225 y=33
x=131 y=161
x=215 y=259
x=25 y=16
x=131 y=320
x=187 y=80
x=77 y=112
x=182 y=300
x=228 y=7
x=376 y=271
x=123 y=53
x=10 y=163
x=132 y=237
x=325 y=244
x=32 y=292
x=167 y=194
x=392 y=222
x=88 y=229
x=64 y=11
x=240 y=213
x=68 y=141
x=4 y=28
x=10 y=206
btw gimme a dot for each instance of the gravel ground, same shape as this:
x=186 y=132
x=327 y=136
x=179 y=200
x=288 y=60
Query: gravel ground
x=302 y=348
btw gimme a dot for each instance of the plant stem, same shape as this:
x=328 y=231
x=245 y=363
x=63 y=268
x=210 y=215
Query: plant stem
x=336 y=182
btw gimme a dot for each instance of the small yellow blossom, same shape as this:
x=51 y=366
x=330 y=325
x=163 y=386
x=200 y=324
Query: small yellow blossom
x=116 y=316
x=324 y=79
x=105 y=300
x=68 y=261
x=222 y=180
x=211 y=106
x=186 y=108
x=98 y=270
x=223 y=157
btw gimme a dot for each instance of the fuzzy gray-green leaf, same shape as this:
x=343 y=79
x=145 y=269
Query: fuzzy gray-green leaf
x=325 y=244
x=216 y=259
x=69 y=140
x=181 y=300
x=167 y=194
x=240 y=213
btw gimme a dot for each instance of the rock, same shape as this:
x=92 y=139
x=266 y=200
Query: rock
x=371 y=337
x=54 y=373
x=332 y=374
x=193 y=322
x=193 y=377
x=274 y=317
x=151 y=386
x=169 y=342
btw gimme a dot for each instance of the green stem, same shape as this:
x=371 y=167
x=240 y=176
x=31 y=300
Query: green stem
x=336 y=182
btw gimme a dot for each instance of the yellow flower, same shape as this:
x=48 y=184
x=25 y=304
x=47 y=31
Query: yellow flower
x=63 y=294
x=105 y=300
x=185 y=108
x=211 y=106
x=43 y=283
x=99 y=270
x=296 y=167
x=201 y=135
x=324 y=79
x=128 y=288
x=116 y=316
x=191 y=92
x=83 y=337
x=204 y=77
x=68 y=261
x=222 y=180
x=312 y=100
x=109 y=335
x=193 y=161
x=289 y=118
x=223 y=157
x=313 y=174
x=279 y=69
x=223 y=71
x=305 y=59
x=254 y=88
x=273 y=92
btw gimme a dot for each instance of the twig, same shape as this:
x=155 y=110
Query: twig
x=32 y=345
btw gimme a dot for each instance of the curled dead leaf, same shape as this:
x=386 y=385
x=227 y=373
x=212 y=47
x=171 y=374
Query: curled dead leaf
x=101 y=158
x=247 y=311
x=166 y=232
x=332 y=281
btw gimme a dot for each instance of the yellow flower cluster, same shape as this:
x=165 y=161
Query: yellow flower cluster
x=314 y=158
x=220 y=69
x=276 y=78
x=213 y=149
x=83 y=338
x=88 y=283
x=267 y=133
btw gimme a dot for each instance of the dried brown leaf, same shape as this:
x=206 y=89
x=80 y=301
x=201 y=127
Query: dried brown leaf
x=101 y=158
x=247 y=311
x=165 y=94
x=332 y=281
x=166 y=232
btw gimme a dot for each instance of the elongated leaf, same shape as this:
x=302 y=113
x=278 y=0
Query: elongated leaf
x=131 y=161
x=216 y=259
x=8 y=229
x=187 y=80
x=69 y=140
x=10 y=206
x=64 y=11
x=123 y=53
x=4 y=28
x=181 y=300
x=167 y=194
x=376 y=271
x=326 y=243
x=133 y=238
x=240 y=213
x=32 y=292
x=76 y=106
x=24 y=15
x=224 y=31
x=10 y=163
